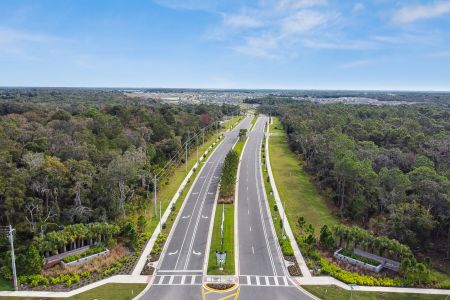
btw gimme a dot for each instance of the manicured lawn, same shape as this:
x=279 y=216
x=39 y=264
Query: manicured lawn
x=334 y=292
x=5 y=285
x=294 y=184
x=228 y=245
x=116 y=291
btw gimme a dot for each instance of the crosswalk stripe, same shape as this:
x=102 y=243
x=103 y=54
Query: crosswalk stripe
x=276 y=280
x=285 y=281
x=248 y=280
x=183 y=278
x=161 y=279
x=257 y=280
x=171 y=279
x=192 y=279
x=267 y=280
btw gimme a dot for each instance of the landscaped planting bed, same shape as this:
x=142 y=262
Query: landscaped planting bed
x=57 y=278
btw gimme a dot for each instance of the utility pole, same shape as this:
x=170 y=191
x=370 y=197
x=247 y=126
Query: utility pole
x=154 y=192
x=203 y=134
x=13 y=260
x=185 y=159
x=196 y=141
x=160 y=213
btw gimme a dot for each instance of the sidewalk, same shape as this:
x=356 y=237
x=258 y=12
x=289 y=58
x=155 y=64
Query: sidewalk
x=46 y=294
x=298 y=255
x=328 y=280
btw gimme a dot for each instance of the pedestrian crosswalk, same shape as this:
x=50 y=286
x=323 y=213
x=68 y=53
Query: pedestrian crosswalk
x=244 y=280
x=255 y=280
x=178 y=280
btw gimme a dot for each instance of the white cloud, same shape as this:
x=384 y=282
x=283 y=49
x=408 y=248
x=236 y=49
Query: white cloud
x=412 y=13
x=299 y=4
x=358 y=7
x=241 y=21
x=262 y=46
x=357 y=63
x=338 y=44
x=303 y=22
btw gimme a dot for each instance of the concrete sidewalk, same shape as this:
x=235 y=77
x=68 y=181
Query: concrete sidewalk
x=46 y=294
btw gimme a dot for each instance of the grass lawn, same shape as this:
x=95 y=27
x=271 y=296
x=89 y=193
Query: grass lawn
x=294 y=186
x=5 y=285
x=111 y=291
x=334 y=292
x=216 y=243
x=228 y=229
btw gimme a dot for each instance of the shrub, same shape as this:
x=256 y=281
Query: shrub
x=85 y=274
x=286 y=248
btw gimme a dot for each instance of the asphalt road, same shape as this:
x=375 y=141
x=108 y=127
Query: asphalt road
x=262 y=274
x=179 y=274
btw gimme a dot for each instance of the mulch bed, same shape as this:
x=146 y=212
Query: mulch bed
x=294 y=270
x=220 y=286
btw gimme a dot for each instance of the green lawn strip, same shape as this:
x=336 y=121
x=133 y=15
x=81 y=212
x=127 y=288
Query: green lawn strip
x=5 y=285
x=116 y=291
x=294 y=185
x=216 y=242
x=253 y=122
x=228 y=268
x=334 y=292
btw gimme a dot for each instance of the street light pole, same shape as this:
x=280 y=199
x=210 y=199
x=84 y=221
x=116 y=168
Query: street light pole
x=185 y=159
x=13 y=260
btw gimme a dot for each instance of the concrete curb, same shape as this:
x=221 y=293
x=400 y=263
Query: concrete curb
x=297 y=253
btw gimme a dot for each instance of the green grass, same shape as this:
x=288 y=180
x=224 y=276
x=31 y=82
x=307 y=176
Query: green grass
x=111 y=291
x=5 y=285
x=334 y=292
x=294 y=184
x=228 y=229
x=240 y=146
x=253 y=122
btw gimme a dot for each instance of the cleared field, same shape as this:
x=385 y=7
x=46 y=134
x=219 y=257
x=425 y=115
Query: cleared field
x=296 y=190
x=334 y=292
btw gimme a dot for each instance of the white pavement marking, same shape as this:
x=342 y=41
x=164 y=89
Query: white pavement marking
x=276 y=280
x=250 y=228
x=173 y=253
x=185 y=217
x=196 y=193
x=248 y=280
x=285 y=281
x=253 y=250
x=183 y=278
x=196 y=253
x=171 y=279
x=257 y=281
x=161 y=279
x=204 y=217
x=248 y=211
x=192 y=279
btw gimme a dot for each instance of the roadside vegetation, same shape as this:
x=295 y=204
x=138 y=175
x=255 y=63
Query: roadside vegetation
x=71 y=161
x=228 y=177
x=315 y=224
x=334 y=292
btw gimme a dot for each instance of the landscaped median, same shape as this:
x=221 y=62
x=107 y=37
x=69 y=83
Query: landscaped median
x=225 y=210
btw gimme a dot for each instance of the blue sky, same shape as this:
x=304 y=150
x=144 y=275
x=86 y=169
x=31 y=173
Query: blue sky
x=289 y=44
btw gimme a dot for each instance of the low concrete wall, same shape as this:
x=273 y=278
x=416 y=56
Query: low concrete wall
x=85 y=259
x=387 y=263
x=356 y=262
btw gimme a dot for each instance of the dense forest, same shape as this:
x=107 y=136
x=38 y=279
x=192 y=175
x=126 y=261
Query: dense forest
x=386 y=168
x=64 y=160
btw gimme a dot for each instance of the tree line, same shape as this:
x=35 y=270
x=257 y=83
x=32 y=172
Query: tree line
x=386 y=168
